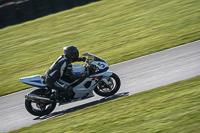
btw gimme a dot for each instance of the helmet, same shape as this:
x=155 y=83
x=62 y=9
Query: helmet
x=71 y=52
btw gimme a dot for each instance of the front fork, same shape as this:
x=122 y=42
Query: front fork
x=105 y=81
x=106 y=75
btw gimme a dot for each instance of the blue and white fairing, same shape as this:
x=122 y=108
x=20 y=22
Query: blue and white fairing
x=35 y=80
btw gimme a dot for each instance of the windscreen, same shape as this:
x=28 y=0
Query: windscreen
x=94 y=57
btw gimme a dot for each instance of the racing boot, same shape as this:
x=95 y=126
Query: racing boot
x=54 y=96
x=67 y=92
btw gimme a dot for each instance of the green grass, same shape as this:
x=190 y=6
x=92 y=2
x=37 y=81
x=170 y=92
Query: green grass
x=174 y=108
x=116 y=30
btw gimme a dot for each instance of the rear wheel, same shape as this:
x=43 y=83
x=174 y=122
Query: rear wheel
x=108 y=90
x=38 y=108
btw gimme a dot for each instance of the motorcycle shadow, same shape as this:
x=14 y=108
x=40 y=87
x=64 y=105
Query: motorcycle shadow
x=63 y=112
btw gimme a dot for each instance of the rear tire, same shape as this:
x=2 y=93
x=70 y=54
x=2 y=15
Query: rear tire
x=38 y=110
x=114 y=85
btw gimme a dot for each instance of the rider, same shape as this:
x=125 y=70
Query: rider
x=63 y=66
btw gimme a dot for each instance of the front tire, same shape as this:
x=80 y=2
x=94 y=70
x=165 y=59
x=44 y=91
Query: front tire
x=38 y=108
x=114 y=84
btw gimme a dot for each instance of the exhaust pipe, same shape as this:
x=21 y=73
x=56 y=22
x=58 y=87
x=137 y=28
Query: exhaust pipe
x=34 y=97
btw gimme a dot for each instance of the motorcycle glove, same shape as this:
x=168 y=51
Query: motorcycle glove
x=82 y=59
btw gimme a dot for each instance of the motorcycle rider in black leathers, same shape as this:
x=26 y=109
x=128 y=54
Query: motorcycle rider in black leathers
x=62 y=66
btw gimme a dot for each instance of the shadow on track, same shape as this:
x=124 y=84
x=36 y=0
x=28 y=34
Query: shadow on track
x=60 y=113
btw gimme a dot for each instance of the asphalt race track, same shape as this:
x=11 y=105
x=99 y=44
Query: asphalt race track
x=137 y=75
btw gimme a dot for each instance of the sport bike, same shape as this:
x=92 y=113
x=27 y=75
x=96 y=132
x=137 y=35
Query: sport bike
x=98 y=79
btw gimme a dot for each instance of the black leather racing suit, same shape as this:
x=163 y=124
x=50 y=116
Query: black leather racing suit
x=60 y=66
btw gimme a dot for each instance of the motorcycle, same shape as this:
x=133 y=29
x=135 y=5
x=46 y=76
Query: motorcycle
x=103 y=82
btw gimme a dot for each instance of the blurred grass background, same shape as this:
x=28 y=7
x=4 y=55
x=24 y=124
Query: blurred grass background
x=172 y=108
x=113 y=30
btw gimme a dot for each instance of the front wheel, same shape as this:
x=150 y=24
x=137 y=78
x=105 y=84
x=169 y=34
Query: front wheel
x=39 y=108
x=108 y=90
